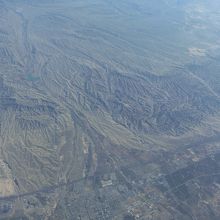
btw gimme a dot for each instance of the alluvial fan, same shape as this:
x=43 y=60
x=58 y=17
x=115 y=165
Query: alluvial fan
x=109 y=109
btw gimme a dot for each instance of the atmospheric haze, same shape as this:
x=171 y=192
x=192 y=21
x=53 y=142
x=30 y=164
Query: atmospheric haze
x=109 y=109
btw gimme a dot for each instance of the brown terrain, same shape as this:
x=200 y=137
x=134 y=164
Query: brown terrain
x=109 y=110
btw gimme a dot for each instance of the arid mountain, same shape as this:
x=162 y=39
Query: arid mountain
x=110 y=109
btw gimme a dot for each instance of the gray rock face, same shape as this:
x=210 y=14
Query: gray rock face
x=109 y=109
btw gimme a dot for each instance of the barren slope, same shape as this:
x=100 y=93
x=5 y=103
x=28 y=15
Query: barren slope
x=109 y=109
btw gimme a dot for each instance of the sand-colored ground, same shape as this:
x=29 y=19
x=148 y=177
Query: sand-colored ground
x=6 y=187
x=193 y=51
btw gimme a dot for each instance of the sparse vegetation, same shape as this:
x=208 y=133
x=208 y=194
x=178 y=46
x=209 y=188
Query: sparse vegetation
x=109 y=109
